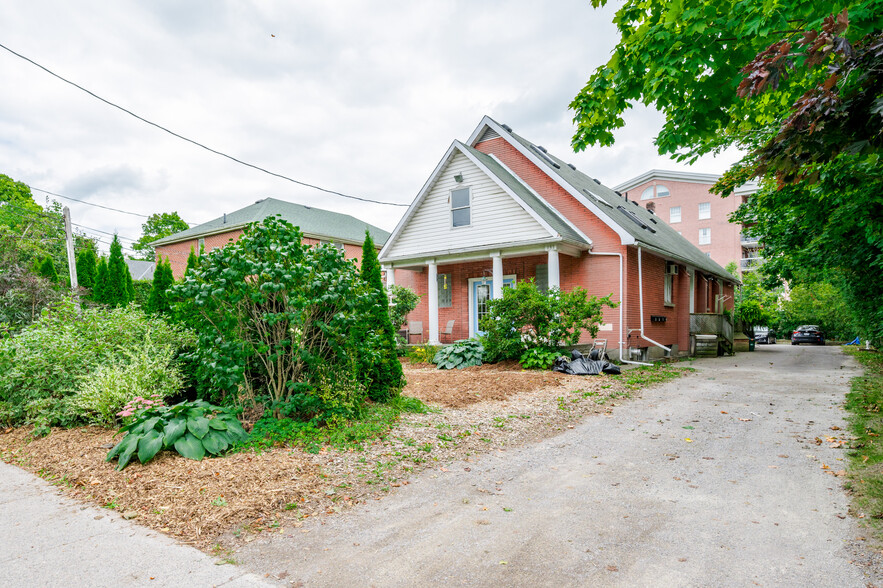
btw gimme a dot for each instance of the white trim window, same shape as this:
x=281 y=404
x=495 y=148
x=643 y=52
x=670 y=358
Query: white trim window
x=674 y=214
x=657 y=191
x=668 y=288
x=461 y=208
x=705 y=236
x=704 y=210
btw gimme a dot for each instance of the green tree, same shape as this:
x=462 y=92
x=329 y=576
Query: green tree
x=47 y=270
x=98 y=291
x=115 y=290
x=158 y=225
x=192 y=261
x=159 y=303
x=799 y=86
x=381 y=368
x=818 y=303
x=87 y=268
x=276 y=318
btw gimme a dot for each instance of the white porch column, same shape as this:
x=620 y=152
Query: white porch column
x=390 y=276
x=498 y=275
x=433 y=302
x=554 y=271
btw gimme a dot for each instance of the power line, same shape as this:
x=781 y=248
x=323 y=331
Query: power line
x=198 y=144
x=85 y=202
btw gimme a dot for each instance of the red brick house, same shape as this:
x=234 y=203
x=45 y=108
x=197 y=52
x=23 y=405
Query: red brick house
x=498 y=208
x=317 y=226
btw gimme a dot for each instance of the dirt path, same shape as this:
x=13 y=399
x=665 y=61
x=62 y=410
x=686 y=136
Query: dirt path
x=715 y=479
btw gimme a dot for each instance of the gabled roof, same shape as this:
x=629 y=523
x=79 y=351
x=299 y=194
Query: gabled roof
x=313 y=222
x=559 y=227
x=634 y=224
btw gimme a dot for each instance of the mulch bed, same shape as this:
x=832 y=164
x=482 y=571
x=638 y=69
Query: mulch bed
x=220 y=503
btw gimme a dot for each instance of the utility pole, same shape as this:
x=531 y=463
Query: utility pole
x=71 y=259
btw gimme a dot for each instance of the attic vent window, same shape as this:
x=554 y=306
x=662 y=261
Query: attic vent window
x=461 y=215
x=634 y=218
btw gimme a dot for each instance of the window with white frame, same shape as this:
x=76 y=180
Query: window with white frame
x=674 y=214
x=648 y=193
x=705 y=236
x=668 y=288
x=461 y=214
x=704 y=210
x=655 y=192
x=662 y=191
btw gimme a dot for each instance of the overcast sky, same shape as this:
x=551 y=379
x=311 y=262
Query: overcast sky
x=358 y=97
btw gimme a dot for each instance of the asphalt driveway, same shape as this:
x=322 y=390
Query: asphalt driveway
x=713 y=480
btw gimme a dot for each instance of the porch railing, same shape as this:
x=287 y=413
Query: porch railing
x=712 y=324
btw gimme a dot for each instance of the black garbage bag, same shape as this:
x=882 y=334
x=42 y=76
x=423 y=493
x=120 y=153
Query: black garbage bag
x=580 y=365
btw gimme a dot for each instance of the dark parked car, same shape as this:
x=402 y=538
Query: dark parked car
x=764 y=335
x=807 y=334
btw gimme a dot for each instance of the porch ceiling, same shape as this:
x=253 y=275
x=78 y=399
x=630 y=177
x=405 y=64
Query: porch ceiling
x=508 y=250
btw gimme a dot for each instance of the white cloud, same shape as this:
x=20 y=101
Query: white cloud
x=362 y=98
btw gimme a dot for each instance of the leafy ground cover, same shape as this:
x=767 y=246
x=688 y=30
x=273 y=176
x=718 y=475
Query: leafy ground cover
x=864 y=403
x=216 y=504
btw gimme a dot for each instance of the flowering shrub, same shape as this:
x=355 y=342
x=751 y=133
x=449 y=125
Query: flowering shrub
x=422 y=354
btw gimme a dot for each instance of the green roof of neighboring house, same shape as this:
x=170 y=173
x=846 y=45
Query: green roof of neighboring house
x=647 y=229
x=313 y=222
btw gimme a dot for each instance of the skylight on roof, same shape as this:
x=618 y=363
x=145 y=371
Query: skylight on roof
x=634 y=218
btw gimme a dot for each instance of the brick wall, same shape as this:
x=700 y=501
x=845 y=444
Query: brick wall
x=179 y=252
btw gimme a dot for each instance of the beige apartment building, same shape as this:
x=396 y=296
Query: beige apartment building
x=684 y=200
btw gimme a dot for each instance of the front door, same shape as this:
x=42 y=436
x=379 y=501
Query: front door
x=480 y=291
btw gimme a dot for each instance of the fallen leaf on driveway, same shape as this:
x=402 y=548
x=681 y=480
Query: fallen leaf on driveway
x=825 y=466
x=688 y=440
x=722 y=412
x=744 y=420
x=612 y=569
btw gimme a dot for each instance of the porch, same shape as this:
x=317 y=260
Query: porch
x=711 y=334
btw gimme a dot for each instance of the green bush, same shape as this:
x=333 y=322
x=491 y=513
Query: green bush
x=525 y=318
x=538 y=358
x=43 y=366
x=422 y=353
x=271 y=312
x=148 y=370
x=461 y=354
x=193 y=429
x=402 y=301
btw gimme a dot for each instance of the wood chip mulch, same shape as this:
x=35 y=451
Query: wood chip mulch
x=216 y=504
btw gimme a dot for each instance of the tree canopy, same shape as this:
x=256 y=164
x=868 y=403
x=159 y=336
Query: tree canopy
x=798 y=86
x=158 y=225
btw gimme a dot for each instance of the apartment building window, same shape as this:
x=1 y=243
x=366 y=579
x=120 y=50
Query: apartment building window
x=705 y=236
x=704 y=210
x=674 y=214
x=655 y=192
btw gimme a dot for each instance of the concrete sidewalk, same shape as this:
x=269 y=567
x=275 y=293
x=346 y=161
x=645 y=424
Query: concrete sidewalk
x=51 y=540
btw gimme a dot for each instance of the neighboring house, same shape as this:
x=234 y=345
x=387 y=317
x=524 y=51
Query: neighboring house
x=685 y=201
x=498 y=209
x=141 y=270
x=317 y=226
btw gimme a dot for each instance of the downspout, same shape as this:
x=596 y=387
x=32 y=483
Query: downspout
x=641 y=304
x=621 y=307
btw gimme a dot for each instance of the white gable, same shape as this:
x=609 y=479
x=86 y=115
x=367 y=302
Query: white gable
x=496 y=218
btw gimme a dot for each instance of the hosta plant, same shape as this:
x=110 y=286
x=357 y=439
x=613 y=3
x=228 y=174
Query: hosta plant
x=193 y=429
x=461 y=354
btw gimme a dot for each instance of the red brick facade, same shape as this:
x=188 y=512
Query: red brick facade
x=598 y=275
x=178 y=252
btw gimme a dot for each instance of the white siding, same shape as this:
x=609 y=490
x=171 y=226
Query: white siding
x=496 y=217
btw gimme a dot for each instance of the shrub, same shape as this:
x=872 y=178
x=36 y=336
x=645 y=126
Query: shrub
x=158 y=303
x=46 y=363
x=87 y=266
x=47 y=270
x=422 y=353
x=271 y=312
x=380 y=368
x=538 y=358
x=193 y=429
x=459 y=355
x=525 y=318
x=402 y=301
x=146 y=371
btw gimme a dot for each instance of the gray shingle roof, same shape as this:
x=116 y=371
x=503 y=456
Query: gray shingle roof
x=539 y=206
x=647 y=229
x=313 y=222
